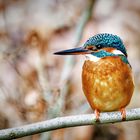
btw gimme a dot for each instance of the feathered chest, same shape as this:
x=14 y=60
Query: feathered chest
x=107 y=81
x=106 y=67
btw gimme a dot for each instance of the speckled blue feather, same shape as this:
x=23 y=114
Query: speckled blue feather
x=106 y=40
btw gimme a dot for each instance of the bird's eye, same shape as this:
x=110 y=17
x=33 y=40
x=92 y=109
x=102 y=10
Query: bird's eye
x=98 y=46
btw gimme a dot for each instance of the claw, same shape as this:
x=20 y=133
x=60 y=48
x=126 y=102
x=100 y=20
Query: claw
x=123 y=113
x=97 y=115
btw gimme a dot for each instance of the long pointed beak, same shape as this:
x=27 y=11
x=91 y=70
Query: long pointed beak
x=75 y=51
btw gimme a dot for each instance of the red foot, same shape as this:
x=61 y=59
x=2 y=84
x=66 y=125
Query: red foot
x=123 y=113
x=97 y=115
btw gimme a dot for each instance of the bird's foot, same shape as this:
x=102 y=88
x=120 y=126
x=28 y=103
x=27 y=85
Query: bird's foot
x=123 y=113
x=97 y=115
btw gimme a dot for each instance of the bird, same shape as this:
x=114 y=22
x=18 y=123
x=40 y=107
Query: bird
x=107 y=78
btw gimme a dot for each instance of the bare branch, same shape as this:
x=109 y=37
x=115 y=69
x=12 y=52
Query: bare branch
x=69 y=121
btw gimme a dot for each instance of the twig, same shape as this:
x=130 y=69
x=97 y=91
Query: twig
x=70 y=61
x=68 y=65
x=69 y=121
x=83 y=21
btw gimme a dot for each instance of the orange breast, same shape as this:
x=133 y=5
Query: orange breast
x=107 y=84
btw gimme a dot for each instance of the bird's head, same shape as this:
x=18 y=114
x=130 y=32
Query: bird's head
x=99 y=46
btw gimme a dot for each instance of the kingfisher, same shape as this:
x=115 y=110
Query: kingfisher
x=107 y=78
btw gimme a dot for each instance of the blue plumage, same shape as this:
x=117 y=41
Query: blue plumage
x=102 y=53
x=106 y=40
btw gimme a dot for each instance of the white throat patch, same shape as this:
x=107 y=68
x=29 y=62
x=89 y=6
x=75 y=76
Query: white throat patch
x=92 y=57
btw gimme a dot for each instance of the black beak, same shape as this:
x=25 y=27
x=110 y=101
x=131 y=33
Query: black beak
x=75 y=51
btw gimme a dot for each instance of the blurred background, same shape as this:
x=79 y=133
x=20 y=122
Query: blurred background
x=36 y=85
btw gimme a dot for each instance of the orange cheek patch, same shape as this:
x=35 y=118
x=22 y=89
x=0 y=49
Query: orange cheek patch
x=90 y=47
